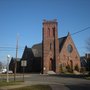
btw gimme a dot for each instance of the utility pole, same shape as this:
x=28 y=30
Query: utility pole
x=15 y=67
x=8 y=58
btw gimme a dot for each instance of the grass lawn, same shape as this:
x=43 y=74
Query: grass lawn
x=88 y=78
x=35 y=87
x=9 y=83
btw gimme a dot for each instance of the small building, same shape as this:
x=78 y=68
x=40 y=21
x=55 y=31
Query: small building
x=12 y=64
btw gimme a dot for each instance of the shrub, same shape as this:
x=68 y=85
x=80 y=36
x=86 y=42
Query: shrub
x=76 y=67
x=69 y=69
x=82 y=70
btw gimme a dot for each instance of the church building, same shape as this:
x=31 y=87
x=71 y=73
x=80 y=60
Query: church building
x=53 y=54
x=59 y=54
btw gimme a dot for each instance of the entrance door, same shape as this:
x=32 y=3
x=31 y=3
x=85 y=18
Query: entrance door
x=71 y=64
x=51 y=64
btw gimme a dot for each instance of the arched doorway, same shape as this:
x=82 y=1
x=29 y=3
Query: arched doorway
x=51 y=64
x=71 y=65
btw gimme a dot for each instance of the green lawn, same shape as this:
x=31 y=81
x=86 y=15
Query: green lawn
x=9 y=83
x=35 y=87
x=88 y=78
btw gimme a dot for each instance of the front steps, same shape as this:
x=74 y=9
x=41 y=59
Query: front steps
x=51 y=72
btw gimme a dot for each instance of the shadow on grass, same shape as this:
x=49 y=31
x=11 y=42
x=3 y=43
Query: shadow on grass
x=79 y=87
x=35 y=87
x=71 y=76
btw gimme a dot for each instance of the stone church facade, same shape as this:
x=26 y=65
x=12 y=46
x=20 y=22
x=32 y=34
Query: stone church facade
x=50 y=47
x=53 y=54
x=58 y=53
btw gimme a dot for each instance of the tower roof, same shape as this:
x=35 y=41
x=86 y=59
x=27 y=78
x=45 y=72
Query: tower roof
x=50 y=21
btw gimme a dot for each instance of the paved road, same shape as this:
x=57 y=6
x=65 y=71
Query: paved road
x=58 y=82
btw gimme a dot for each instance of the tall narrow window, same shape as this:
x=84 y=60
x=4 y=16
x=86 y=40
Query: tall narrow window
x=50 y=46
x=53 y=31
x=48 y=31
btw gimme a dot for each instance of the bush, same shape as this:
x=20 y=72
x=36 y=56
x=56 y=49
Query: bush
x=69 y=69
x=82 y=70
x=76 y=68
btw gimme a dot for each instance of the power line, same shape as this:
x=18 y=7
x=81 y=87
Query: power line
x=80 y=31
x=10 y=48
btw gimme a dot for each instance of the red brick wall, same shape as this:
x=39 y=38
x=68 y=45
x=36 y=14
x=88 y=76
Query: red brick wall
x=66 y=57
x=50 y=46
x=52 y=58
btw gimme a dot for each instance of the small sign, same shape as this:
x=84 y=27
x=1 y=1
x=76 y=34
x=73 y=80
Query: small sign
x=23 y=63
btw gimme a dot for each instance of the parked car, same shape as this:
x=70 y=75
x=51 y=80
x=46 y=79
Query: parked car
x=10 y=72
x=4 y=70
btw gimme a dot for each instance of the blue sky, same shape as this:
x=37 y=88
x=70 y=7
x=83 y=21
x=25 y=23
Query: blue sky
x=25 y=17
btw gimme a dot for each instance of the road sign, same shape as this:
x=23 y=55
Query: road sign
x=23 y=63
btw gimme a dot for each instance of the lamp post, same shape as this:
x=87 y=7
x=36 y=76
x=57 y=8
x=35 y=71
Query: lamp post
x=8 y=57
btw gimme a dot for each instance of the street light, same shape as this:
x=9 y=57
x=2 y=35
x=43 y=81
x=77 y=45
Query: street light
x=8 y=57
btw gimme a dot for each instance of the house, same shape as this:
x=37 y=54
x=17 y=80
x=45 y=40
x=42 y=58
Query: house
x=12 y=64
x=85 y=62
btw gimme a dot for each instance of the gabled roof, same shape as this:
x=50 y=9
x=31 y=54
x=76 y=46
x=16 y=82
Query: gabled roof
x=27 y=54
x=61 y=42
x=13 y=60
x=37 y=50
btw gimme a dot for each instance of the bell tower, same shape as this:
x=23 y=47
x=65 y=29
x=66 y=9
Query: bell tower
x=50 y=46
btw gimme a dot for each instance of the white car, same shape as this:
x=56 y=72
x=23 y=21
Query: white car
x=10 y=72
x=4 y=70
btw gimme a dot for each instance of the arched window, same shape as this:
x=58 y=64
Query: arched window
x=69 y=48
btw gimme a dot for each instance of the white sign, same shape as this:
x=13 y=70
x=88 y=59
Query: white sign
x=23 y=63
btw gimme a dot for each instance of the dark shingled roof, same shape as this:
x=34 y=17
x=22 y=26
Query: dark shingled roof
x=36 y=49
x=61 y=42
x=27 y=54
x=18 y=59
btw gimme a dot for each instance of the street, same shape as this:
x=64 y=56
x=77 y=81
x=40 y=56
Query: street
x=57 y=82
x=60 y=82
